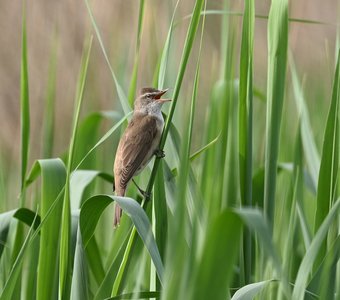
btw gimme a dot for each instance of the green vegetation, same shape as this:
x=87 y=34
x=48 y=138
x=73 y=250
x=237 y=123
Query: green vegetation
x=221 y=222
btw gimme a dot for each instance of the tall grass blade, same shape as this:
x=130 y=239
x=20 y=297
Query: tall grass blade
x=203 y=149
x=295 y=195
x=229 y=12
x=254 y=219
x=218 y=257
x=53 y=177
x=138 y=295
x=184 y=60
x=161 y=218
x=88 y=135
x=228 y=150
x=245 y=103
x=195 y=205
x=80 y=179
x=312 y=252
x=94 y=207
x=304 y=227
x=33 y=176
x=225 y=108
x=177 y=250
x=80 y=281
x=186 y=206
x=23 y=214
x=133 y=83
x=24 y=103
x=121 y=95
x=309 y=146
x=124 y=265
x=161 y=215
x=329 y=167
x=277 y=60
x=258 y=224
x=249 y=291
x=165 y=52
x=5 y=219
x=103 y=139
x=27 y=216
x=31 y=219
x=48 y=123
x=29 y=280
x=9 y=288
x=327 y=288
x=65 y=259
x=30 y=239
x=25 y=139
x=245 y=121
x=105 y=287
x=324 y=280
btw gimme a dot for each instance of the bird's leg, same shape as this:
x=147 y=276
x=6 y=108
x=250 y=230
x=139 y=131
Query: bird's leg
x=159 y=153
x=144 y=193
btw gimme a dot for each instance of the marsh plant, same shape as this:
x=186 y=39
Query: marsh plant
x=244 y=205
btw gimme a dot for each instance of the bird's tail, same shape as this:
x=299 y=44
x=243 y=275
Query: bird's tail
x=118 y=214
x=118 y=210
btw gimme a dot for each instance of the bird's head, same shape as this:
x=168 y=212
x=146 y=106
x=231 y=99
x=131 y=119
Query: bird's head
x=150 y=100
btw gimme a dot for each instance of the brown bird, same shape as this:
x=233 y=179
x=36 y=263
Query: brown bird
x=139 y=142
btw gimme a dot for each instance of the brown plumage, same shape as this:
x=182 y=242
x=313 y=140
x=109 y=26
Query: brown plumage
x=139 y=141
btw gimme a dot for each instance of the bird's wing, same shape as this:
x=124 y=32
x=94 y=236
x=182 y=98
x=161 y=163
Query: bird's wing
x=136 y=145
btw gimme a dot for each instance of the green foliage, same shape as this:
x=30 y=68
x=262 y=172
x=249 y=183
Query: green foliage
x=53 y=178
x=277 y=60
x=312 y=252
x=65 y=259
x=133 y=82
x=121 y=95
x=9 y=288
x=246 y=122
x=80 y=286
x=225 y=221
x=248 y=292
x=329 y=166
x=23 y=214
x=94 y=207
x=215 y=267
x=49 y=114
x=24 y=102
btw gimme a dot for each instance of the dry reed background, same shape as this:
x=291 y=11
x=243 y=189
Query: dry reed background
x=311 y=44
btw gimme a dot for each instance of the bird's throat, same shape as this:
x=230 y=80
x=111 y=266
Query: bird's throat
x=143 y=112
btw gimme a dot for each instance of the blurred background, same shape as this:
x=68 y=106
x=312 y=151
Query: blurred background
x=63 y=25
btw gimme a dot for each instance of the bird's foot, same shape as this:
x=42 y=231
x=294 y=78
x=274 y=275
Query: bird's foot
x=159 y=153
x=145 y=194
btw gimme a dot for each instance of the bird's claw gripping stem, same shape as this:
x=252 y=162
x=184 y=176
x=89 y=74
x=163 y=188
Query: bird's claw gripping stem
x=145 y=194
x=159 y=153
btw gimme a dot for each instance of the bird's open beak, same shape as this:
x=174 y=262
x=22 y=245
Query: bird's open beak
x=160 y=94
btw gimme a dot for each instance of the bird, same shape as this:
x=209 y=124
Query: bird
x=139 y=142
